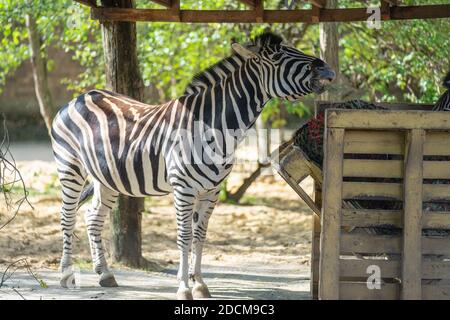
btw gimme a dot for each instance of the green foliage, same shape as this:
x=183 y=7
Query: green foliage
x=404 y=60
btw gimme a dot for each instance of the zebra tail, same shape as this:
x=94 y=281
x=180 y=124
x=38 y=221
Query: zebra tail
x=447 y=81
x=87 y=192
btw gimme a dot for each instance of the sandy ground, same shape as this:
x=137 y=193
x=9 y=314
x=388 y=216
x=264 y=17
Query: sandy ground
x=258 y=249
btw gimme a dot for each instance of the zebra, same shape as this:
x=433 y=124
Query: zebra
x=131 y=148
x=443 y=104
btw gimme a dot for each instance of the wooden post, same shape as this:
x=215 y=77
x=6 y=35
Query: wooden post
x=123 y=76
x=315 y=241
x=331 y=215
x=329 y=48
x=412 y=216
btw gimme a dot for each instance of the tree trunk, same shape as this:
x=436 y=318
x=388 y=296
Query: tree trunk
x=329 y=49
x=123 y=76
x=39 y=67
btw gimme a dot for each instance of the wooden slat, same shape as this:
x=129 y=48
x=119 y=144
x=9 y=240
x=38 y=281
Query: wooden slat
x=383 y=119
x=372 y=190
x=270 y=16
x=315 y=243
x=437 y=143
x=436 y=192
x=436 y=292
x=390 y=291
x=373 y=168
x=374 y=142
x=393 y=191
x=357 y=268
x=436 y=170
x=331 y=215
x=359 y=291
x=412 y=218
x=366 y=243
x=321 y=106
x=373 y=218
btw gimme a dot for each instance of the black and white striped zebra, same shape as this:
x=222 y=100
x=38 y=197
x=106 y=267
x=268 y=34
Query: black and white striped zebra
x=184 y=147
x=443 y=104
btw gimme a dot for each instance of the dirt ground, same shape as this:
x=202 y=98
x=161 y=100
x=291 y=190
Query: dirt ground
x=268 y=233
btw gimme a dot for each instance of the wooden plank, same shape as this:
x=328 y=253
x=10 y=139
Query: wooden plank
x=412 y=218
x=373 y=218
x=436 y=292
x=373 y=168
x=359 y=291
x=437 y=143
x=321 y=106
x=436 y=169
x=372 y=190
x=366 y=243
x=331 y=215
x=357 y=268
x=436 y=192
x=392 y=191
x=389 y=291
x=387 y=119
x=259 y=11
x=270 y=16
x=374 y=142
x=315 y=243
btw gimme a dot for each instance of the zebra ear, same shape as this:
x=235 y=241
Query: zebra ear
x=243 y=51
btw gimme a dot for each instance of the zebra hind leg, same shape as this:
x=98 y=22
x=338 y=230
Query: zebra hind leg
x=72 y=183
x=184 y=203
x=202 y=212
x=102 y=202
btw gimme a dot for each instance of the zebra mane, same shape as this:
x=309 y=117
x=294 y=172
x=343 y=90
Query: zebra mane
x=203 y=78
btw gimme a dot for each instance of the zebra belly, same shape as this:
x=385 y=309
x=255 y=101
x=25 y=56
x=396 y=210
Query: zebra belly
x=138 y=173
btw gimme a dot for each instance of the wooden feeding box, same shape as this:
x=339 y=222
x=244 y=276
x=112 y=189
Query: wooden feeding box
x=402 y=248
x=411 y=174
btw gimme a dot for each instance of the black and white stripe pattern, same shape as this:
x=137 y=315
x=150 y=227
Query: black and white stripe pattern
x=182 y=147
x=443 y=104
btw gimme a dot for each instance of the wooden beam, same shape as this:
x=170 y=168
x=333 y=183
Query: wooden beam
x=90 y=3
x=259 y=11
x=164 y=3
x=412 y=217
x=175 y=9
x=315 y=14
x=269 y=16
x=331 y=215
x=385 y=10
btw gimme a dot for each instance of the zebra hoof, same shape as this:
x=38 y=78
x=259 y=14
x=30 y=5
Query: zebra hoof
x=184 y=294
x=68 y=280
x=107 y=280
x=201 y=291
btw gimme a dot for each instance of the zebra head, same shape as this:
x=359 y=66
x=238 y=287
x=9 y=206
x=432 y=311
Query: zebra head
x=286 y=72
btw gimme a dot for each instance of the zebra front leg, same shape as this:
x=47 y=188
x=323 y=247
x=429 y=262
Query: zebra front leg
x=102 y=203
x=184 y=202
x=202 y=213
